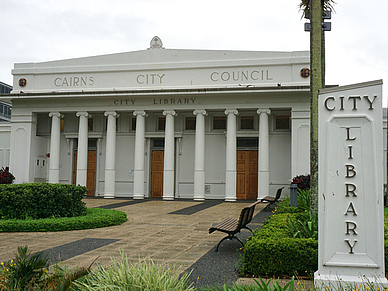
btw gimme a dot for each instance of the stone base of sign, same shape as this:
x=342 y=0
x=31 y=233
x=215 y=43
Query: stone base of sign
x=339 y=282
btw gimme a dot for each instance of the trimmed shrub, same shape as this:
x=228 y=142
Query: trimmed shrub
x=284 y=256
x=95 y=218
x=41 y=200
x=271 y=250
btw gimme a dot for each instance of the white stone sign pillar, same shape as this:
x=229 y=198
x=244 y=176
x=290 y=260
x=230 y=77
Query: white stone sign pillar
x=351 y=225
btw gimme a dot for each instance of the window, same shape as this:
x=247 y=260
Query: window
x=247 y=122
x=162 y=123
x=219 y=122
x=90 y=124
x=190 y=123
x=134 y=123
x=62 y=124
x=282 y=122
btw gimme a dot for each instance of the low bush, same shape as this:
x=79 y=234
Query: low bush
x=31 y=272
x=272 y=252
x=94 y=218
x=41 y=200
x=146 y=275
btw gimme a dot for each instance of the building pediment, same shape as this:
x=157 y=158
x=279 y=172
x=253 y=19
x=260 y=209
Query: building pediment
x=160 y=68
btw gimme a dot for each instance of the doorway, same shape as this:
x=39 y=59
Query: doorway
x=247 y=174
x=90 y=172
x=157 y=168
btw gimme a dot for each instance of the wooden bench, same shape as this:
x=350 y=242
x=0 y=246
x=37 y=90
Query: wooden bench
x=232 y=226
x=271 y=199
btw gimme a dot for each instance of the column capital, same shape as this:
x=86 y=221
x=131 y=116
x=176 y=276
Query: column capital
x=170 y=112
x=140 y=112
x=56 y=114
x=200 y=111
x=231 y=111
x=264 y=110
x=83 y=113
x=113 y=113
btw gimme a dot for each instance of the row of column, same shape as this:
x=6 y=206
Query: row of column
x=168 y=175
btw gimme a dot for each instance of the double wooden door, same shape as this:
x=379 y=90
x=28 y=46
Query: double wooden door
x=90 y=172
x=247 y=174
x=157 y=173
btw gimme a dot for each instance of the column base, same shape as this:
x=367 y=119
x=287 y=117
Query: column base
x=138 y=196
x=54 y=176
x=199 y=199
x=230 y=199
x=109 y=196
x=341 y=282
x=168 y=198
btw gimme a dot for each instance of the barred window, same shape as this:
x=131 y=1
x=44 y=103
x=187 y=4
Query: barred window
x=283 y=122
x=219 y=122
x=190 y=123
x=247 y=122
x=162 y=123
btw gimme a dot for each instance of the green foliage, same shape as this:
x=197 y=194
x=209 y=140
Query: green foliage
x=260 y=285
x=271 y=250
x=305 y=226
x=94 y=218
x=26 y=271
x=304 y=199
x=41 y=200
x=144 y=276
x=284 y=256
x=30 y=272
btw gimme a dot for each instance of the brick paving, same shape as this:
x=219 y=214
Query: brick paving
x=150 y=232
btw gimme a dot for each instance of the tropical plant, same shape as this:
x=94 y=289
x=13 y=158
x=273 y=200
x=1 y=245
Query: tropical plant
x=306 y=226
x=302 y=181
x=26 y=271
x=144 y=276
x=304 y=199
x=5 y=176
x=259 y=285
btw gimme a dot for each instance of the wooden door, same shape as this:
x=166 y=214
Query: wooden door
x=157 y=174
x=90 y=172
x=247 y=169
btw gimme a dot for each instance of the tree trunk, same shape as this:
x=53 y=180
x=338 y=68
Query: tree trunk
x=315 y=86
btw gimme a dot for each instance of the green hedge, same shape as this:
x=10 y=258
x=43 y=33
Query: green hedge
x=94 y=218
x=41 y=200
x=271 y=250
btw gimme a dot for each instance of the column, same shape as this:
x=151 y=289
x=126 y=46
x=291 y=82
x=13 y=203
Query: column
x=138 y=182
x=199 y=165
x=110 y=155
x=168 y=173
x=55 y=146
x=231 y=147
x=82 y=151
x=263 y=187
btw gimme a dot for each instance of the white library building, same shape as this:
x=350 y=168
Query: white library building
x=167 y=123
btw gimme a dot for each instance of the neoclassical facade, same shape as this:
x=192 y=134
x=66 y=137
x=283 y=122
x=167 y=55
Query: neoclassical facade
x=166 y=123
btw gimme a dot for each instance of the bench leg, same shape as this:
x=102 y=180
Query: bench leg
x=229 y=237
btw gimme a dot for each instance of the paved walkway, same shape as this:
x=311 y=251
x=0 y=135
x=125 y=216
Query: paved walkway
x=151 y=231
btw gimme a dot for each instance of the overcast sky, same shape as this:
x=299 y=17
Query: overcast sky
x=43 y=30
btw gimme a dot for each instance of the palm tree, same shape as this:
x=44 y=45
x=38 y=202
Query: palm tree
x=314 y=10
